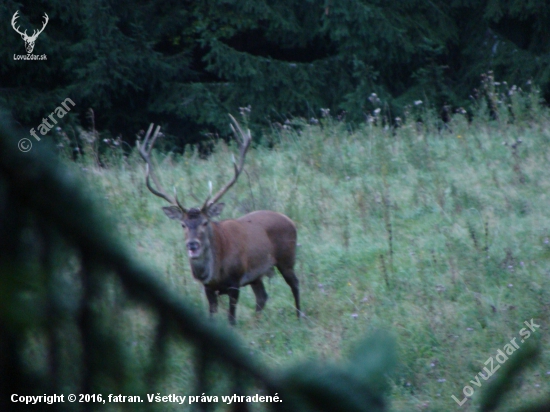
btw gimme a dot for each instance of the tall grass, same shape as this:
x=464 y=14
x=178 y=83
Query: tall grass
x=439 y=235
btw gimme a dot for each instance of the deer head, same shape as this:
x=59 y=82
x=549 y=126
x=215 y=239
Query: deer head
x=29 y=40
x=195 y=221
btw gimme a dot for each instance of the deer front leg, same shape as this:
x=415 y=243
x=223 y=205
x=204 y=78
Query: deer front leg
x=212 y=297
x=233 y=293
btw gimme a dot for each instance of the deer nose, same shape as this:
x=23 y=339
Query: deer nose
x=193 y=245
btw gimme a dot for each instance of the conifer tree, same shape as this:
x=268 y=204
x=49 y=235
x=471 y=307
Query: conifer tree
x=187 y=64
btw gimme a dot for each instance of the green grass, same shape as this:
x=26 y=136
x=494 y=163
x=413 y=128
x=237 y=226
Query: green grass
x=466 y=218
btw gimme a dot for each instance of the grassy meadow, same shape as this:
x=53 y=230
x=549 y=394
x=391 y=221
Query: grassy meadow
x=439 y=235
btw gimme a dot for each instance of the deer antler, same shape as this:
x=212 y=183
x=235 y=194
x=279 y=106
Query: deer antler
x=35 y=32
x=244 y=145
x=13 y=21
x=145 y=151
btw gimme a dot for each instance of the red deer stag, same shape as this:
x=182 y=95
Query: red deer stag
x=231 y=253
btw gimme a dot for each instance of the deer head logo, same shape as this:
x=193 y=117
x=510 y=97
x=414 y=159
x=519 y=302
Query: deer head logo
x=29 y=40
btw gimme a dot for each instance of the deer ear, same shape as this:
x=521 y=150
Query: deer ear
x=215 y=210
x=173 y=212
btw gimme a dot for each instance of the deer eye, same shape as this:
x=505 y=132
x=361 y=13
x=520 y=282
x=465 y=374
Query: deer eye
x=205 y=223
x=183 y=225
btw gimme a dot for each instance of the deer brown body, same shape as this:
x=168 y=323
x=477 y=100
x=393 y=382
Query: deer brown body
x=232 y=253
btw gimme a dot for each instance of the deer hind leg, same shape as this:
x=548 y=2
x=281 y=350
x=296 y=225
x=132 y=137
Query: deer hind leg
x=233 y=293
x=261 y=294
x=294 y=283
